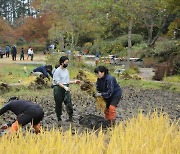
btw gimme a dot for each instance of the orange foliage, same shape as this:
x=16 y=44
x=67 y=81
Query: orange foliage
x=6 y=33
x=36 y=3
x=36 y=28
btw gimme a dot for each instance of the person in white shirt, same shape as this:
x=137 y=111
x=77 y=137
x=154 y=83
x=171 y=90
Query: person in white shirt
x=29 y=53
x=32 y=54
x=61 y=89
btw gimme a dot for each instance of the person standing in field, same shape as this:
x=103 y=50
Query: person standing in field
x=97 y=58
x=22 y=54
x=32 y=54
x=108 y=88
x=8 y=49
x=61 y=89
x=14 y=52
x=29 y=53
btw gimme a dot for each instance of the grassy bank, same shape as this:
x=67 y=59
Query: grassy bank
x=166 y=86
x=12 y=73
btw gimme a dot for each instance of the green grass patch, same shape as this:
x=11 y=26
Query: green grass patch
x=175 y=78
x=12 y=73
x=150 y=85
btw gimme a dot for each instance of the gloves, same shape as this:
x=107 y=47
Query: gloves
x=66 y=88
x=5 y=126
x=97 y=94
x=77 y=81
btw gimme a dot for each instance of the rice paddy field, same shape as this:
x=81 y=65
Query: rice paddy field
x=147 y=120
x=139 y=135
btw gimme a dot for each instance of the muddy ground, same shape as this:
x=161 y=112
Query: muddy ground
x=133 y=100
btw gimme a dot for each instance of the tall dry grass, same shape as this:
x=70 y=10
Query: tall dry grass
x=151 y=134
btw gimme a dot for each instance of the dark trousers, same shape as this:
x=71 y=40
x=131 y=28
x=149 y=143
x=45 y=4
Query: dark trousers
x=7 y=54
x=32 y=56
x=22 y=56
x=34 y=115
x=60 y=96
x=14 y=57
x=112 y=101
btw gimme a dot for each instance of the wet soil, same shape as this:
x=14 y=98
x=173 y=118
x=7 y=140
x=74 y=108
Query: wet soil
x=132 y=102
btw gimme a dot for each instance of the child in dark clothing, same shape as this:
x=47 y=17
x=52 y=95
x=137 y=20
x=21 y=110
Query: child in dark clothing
x=22 y=54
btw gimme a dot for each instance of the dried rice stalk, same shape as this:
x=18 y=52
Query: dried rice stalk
x=87 y=84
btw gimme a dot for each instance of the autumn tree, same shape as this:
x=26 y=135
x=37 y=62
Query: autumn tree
x=6 y=33
x=157 y=14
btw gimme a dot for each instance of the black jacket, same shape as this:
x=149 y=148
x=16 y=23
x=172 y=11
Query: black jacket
x=108 y=87
x=18 y=107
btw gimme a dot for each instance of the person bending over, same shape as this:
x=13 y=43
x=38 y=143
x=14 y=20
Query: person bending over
x=26 y=112
x=43 y=70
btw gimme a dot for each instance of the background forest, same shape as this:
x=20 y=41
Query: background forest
x=146 y=29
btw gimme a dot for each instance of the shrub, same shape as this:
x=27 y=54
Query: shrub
x=38 y=48
x=135 y=39
x=21 y=41
x=175 y=78
x=162 y=70
x=132 y=70
x=166 y=49
x=176 y=64
x=149 y=62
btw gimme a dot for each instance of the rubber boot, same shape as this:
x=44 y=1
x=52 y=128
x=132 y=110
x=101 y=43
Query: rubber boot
x=110 y=115
x=37 y=128
x=14 y=127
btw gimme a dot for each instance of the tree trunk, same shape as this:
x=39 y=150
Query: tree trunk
x=129 y=43
x=159 y=32
x=72 y=43
x=150 y=31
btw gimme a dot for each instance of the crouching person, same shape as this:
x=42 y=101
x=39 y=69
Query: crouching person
x=26 y=111
x=108 y=88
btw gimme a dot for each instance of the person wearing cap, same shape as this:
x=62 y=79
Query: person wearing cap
x=108 y=88
x=43 y=70
x=26 y=112
x=61 y=81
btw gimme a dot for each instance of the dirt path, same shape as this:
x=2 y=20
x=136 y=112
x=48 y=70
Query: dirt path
x=38 y=59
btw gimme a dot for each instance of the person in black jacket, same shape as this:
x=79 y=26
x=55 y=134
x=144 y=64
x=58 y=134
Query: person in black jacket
x=108 y=88
x=14 y=52
x=26 y=111
x=22 y=54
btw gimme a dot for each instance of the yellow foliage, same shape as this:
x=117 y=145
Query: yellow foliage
x=90 y=76
x=29 y=80
x=141 y=135
x=100 y=104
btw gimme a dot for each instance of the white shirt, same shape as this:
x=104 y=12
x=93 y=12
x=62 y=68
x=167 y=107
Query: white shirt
x=29 y=51
x=60 y=76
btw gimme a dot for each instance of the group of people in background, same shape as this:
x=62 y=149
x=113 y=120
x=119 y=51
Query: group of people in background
x=13 y=52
